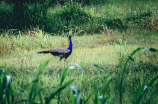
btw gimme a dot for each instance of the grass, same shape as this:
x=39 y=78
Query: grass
x=103 y=16
x=107 y=50
x=101 y=47
x=96 y=66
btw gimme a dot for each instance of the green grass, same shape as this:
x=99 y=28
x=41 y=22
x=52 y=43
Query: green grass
x=97 y=54
x=97 y=60
x=102 y=17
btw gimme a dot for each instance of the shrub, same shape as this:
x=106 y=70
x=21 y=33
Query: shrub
x=70 y=16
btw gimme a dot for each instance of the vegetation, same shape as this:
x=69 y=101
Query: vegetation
x=77 y=16
x=114 y=65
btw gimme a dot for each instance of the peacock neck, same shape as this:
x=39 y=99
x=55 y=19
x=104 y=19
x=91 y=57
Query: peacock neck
x=70 y=45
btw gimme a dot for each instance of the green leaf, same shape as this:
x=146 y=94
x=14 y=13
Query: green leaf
x=120 y=63
x=122 y=70
x=131 y=59
x=152 y=81
x=68 y=83
x=40 y=97
x=34 y=90
x=53 y=94
x=73 y=98
x=138 y=95
x=138 y=49
x=106 y=82
x=96 y=101
x=41 y=68
x=64 y=74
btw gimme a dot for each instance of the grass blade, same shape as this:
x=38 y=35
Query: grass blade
x=53 y=95
x=96 y=101
x=41 y=68
x=64 y=74
x=152 y=81
x=106 y=82
x=151 y=49
x=138 y=95
x=68 y=83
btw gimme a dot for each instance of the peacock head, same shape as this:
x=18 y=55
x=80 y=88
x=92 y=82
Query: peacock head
x=69 y=36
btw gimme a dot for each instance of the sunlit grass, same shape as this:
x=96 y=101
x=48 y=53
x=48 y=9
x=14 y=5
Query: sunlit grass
x=100 y=49
x=21 y=50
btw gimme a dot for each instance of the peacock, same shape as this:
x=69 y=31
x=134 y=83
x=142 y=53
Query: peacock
x=63 y=53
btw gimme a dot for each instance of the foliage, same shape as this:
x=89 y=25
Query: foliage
x=72 y=15
x=21 y=15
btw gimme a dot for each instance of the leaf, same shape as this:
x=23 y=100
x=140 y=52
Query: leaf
x=138 y=95
x=152 y=81
x=101 y=99
x=41 y=68
x=78 y=98
x=123 y=70
x=53 y=94
x=76 y=93
x=68 y=83
x=72 y=99
x=8 y=80
x=79 y=66
x=151 y=49
x=96 y=101
x=145 y=88
x=106 y=82
x=138 y=49
x=120 y=63
x=74 y=89
x=40 y=97
x=35 y=88
x=131 y=59
x=64 y=74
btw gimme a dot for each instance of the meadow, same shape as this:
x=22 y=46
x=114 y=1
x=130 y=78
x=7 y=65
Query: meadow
x=108 y=67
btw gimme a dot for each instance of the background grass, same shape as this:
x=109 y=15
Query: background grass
x=79 y=17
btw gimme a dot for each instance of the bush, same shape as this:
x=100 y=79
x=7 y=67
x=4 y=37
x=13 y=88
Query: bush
x=22 y=16
x=70 y=16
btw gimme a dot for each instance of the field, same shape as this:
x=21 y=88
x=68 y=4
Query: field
x=96 y=71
